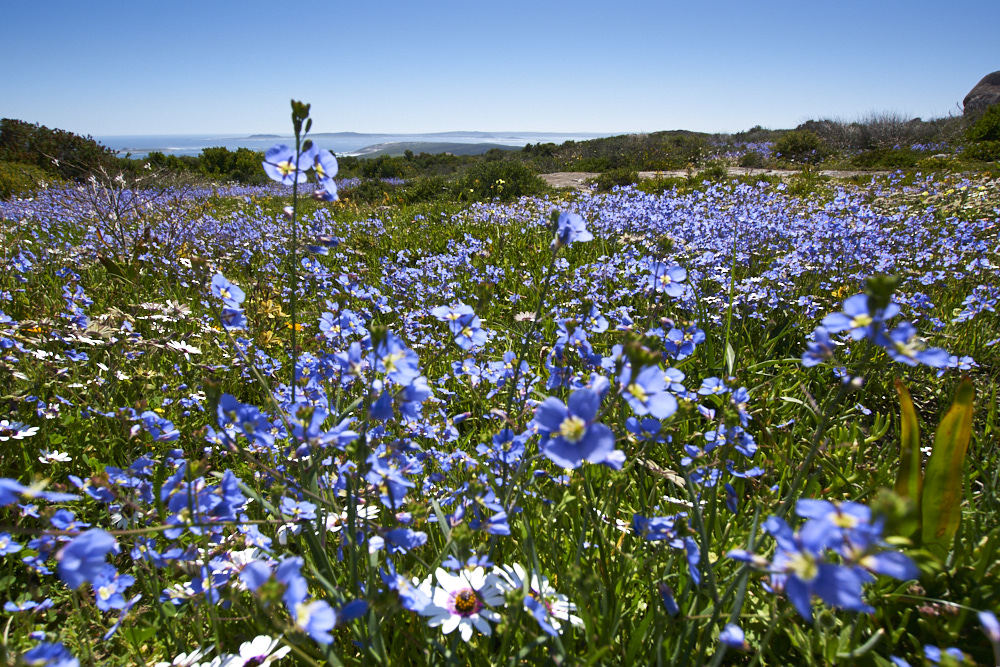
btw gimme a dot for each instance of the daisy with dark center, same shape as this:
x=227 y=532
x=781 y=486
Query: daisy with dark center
x=15 y=430
x=463 y=600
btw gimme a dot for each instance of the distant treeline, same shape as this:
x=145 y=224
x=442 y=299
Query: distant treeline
x=32 y=154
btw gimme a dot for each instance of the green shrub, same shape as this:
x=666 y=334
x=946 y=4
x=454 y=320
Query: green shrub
x=714 y=171
x=373 y=191
x=383 y=166
x=242 y=165
x=753 y=160
x=987 y=127
x=21 y=179
x=504 y=180
x=987 y=151
x=886 y=158
x=615 y=178
x=801 y=146
x=57 y=152
x=426 y=189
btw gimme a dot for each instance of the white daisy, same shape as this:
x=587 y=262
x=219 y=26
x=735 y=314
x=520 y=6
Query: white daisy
x=462 y=601
x=260 y=651
x=186 y=659
x=15 y=430
x=554 y=607
x=54 y=457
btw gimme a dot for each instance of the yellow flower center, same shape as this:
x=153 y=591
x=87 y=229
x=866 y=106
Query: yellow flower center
x=466 y=602
x=804 y=566
x=637 y=391
x=572 y=429
x=862 y=320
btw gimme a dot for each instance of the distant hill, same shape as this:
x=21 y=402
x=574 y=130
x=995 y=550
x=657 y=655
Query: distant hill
x=397 y=148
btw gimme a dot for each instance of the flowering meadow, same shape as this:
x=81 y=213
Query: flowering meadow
x=741 y=423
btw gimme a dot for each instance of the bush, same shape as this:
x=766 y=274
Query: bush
x=242 y=165
x=753 y=160
x=57 y=152
x=987 y=151
x=714 y=171
x=986 y=127
x=886 y=158
x=383 y=166
x=504 y=180
x=801 y=146
x=21 y=179
x=615 y=178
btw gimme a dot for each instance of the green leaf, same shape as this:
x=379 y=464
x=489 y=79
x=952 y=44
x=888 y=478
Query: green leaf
x=942 y=495
x=909 y=482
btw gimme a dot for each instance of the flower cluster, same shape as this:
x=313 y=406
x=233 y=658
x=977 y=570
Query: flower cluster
x=831 y=556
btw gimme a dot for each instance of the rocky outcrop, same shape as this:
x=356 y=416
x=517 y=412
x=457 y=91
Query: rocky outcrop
x=985 y=94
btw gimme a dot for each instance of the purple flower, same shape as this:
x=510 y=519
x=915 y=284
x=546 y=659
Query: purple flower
x=325 y=166
x=906 y=347
x=819 y=349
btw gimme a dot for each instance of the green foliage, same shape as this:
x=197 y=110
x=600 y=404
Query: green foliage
x=21 y=179
x=241 y=165
x=987 y=151
x=173 y=163
x=801 y=146
x=945 y=475
x=616 y=178
x=986 y=127
x=383 y=167
x=502 y=179
x=886 y=158
x=753 y=160
x=57 y=152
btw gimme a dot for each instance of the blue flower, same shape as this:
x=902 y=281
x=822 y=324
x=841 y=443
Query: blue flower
x=906 y=347
x=571 y=227
x=231 y=295
x=50 y=655
x=647 y=392
x=570 y=434
x=733 y=637
x=82 y=560
x=857 y=320
x=280 y=164
x=667 y=279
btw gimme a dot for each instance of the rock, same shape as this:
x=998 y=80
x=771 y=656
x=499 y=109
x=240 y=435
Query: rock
x=985 y=94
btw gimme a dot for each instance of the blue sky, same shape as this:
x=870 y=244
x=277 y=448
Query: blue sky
x=179 y=67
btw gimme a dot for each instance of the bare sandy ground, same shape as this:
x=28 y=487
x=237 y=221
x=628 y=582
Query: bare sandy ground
x=576 y=179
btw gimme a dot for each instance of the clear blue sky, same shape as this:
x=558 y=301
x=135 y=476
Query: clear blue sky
x=179 y=67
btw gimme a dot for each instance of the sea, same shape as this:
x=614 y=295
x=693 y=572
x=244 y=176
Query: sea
x=340 y=143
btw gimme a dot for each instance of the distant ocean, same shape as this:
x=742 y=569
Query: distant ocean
x=340 y=143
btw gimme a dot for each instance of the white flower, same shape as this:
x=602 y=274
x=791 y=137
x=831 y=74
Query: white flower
x=557 y=605
x=15 y=430
x=54 y=457
x=259 y=651
x=186 y=659
x=461 y=601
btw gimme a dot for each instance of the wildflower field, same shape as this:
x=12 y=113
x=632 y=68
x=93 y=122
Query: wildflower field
x=740 y=423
